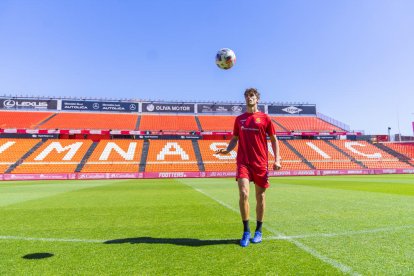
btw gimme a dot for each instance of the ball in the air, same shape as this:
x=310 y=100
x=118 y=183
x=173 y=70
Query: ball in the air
x=225 y=58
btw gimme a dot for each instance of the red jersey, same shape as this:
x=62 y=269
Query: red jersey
x=252 y=130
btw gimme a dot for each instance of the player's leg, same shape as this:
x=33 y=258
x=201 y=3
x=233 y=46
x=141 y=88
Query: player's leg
x=261 y=180
x=260 y=209
x=244 y=190
x=260 y=202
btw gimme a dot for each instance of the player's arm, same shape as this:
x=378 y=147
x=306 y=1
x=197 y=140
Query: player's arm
x=230 y=147
x=275 y=146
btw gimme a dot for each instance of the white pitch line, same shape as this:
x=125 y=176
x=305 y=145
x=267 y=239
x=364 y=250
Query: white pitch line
x=351 y=233
x=49 y=239
x=343 y=268
x=278 y=237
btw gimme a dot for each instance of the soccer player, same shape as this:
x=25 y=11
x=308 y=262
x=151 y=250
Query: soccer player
x=250 y=131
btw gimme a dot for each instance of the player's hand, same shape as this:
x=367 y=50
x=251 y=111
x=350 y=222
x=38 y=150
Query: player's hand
x=222 y=151
x=277 y=166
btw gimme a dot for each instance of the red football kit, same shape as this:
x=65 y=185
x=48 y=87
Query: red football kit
x=252 y=154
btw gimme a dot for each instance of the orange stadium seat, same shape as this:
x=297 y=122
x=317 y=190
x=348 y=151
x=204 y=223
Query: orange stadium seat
x=215 y=162
x=381 y=164
x=290 y=161
x=222 y=123
x=115 y=156
x=92 y=121
x=305 y=123
x=11 y=150
x=216 y=123
x=405 y=149
x=371 y=156
x=322 y=155
x=55 y=156
x=171 y=156
x=168 y=123
x=17 y=119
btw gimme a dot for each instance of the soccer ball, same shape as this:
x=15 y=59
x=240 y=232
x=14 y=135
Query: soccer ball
x=225 y=58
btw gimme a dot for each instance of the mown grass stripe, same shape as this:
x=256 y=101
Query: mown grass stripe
x=343 y=268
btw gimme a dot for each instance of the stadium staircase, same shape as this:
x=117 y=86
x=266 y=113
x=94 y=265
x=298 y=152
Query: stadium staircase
x=27 y=154
x=197 y=152
x=198 y=123
x=279 y=125
x=346 y=154
x=45 y=120
x=86 y=157
x=309 y=164
x=138 y=122
x=401 y=157
x=144 y=156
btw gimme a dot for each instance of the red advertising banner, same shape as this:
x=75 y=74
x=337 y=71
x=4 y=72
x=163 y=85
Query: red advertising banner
x=87 y=176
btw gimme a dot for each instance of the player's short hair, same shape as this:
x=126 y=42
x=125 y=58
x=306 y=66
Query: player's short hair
x=252 y=90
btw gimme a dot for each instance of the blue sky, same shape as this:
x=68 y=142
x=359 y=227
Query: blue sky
x=354 y=59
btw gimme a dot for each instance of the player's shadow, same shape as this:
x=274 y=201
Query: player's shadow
x=37 y=256
x=176 y=241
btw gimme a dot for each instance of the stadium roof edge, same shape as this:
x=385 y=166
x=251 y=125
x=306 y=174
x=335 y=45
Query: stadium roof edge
x=144 y=100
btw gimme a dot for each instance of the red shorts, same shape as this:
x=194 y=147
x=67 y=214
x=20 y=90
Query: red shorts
x=259 y=175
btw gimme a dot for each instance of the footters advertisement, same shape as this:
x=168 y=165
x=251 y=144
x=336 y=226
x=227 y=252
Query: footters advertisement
x=140 y=175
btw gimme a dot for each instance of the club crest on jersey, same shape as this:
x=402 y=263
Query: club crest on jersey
x=258 y=121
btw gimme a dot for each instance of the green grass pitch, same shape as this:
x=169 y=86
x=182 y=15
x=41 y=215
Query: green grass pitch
x=331 y=225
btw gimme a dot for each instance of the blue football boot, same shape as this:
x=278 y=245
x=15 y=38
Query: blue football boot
x=257 y=237
x=245 y=240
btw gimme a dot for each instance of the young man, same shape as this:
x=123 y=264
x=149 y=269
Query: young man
x=251 y=130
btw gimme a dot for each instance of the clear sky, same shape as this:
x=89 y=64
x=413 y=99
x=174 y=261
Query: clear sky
x=354 y=59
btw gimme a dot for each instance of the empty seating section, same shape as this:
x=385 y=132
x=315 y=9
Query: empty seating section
x=380 y=164
x=290 y=161
x=91 y=121
x=322 y=155
x=17 y=119
x=405 y=149
x=115 y=156
x=215 y=162
x=305 y=123
x=11 y=150
x=168 y=123
x=55 y=156
x=171 y=156
x=371 y=156
x=64 y=156
x=216 y=123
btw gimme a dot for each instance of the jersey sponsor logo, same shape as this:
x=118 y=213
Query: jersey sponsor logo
x=249 y=128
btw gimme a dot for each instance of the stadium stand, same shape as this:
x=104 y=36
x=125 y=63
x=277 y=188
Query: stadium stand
x=405 y=149
x=171 y=156
x=115 y=156
x=305 y=123
x=217 y=123
x=322 y=155
x=168 y=123
x=55 y=156
x=371 y=156
x=215 y=162
x=290 y=161
x=17 y=119
x=11 y=150
x=91 y=121
x=222 y=123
